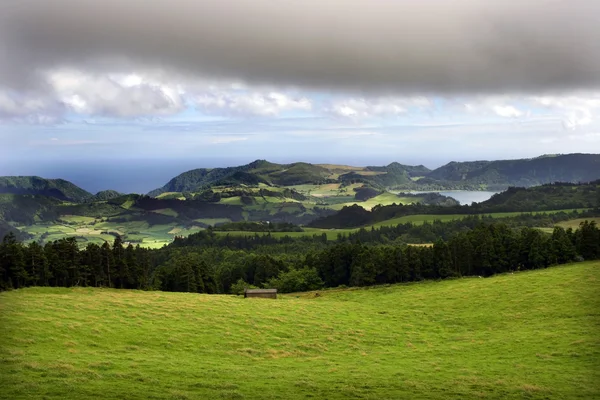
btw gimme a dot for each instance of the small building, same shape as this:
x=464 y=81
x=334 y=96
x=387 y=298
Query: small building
x=261 y=293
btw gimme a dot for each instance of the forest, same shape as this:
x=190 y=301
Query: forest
x=206 y=262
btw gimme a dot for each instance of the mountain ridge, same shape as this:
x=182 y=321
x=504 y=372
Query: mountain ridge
x=35 y=185
x=468 y=175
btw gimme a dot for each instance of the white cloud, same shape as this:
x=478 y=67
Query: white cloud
x=30 y=109
x=226 y=139
x=360 y=108
x=495 y=106
x=507 y=111
x=586 y=137
x=576 y=109
x=115 y=95
x=242 y=103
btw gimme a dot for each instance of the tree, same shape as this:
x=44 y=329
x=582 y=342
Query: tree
x=108 y=262
x=562 y=249
x=37 y=265
x=296 y=280
x=239 y=287
x=120 y=264
x=12 y=263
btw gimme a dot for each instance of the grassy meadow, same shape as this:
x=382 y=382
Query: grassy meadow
x=528 y=335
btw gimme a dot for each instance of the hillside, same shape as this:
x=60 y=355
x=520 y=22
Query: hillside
x=34 y=185
x=524 y=172
x=28 y=209
x=529 y=335
x=548 y=197
x=154 y=222
x=473 y=175
x=261 y=171
x=545 y=197
x=6 y=228
x=106 y=195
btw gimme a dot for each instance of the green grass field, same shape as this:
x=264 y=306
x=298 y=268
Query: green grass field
x=384 y=199
x=531 y=335
x=574 y=223
x=138 y=232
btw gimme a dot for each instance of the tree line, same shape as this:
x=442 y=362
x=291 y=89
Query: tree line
x=291 y=264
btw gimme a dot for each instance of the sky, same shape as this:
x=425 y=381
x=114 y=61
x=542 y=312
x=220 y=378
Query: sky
x=104 y=93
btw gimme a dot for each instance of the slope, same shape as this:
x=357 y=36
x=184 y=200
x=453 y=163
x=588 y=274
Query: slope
x=262 y=171
x=529 y=335
x=523 y=172
x=34 y=185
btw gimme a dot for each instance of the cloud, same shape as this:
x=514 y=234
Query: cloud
x=114 y=95
x=226 y=139
x=577 y=109
x=435 y=46
x=507 y=111
x=30 y=108
x=586 y=137
x=500 y=106
x=61 y=142
x=243 y=103
x=358 y=108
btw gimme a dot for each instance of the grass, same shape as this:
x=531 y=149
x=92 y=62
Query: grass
x=213 y=221
x=532 y=335
x=574 y=223
x=384 y=199
x=149 y=236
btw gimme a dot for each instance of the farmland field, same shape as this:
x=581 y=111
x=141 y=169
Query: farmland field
x=574 y=223
x=136 y=232
x=531 y=335
x=384 y=199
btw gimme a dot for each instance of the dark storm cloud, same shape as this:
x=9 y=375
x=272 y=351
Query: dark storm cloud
x=439 y=46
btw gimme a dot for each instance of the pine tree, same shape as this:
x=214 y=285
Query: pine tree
x=108 y=262
x=12 y=263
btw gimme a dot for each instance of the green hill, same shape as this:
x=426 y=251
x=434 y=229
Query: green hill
x=28 y=209
x=559 y=196
x=527 y=335
x=107 y=195
x=545 y=197
x=524 y=172
x=473 y=175
x=34 y=185
x=261 y=171
x=6 y=228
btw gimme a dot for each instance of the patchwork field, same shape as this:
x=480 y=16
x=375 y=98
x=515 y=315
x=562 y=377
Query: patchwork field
x=574 y=223
x=384 y=199
x=136 y=232
x=532 y=335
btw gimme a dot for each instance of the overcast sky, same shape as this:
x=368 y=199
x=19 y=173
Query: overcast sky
x=353 y=81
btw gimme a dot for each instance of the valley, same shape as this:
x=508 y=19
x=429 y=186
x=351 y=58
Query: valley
x=44 y=210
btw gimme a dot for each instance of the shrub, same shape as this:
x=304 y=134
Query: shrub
x=296 y=280
x=239 y=287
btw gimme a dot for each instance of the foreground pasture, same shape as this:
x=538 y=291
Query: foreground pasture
x=531 y=335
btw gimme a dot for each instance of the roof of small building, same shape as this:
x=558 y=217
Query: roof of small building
x=261 y=290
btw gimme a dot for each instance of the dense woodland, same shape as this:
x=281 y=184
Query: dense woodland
x=211 y=263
